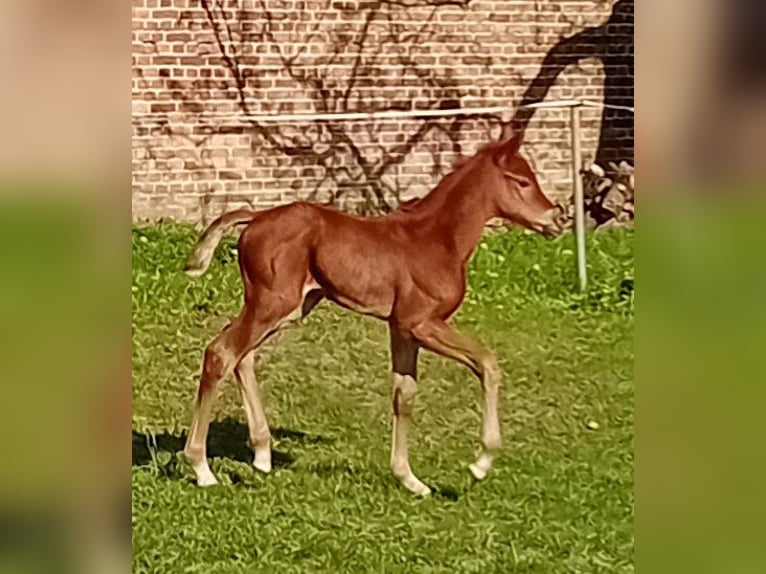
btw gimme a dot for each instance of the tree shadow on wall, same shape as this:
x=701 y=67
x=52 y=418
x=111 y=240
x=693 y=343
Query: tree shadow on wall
x=613 y=44
x=352 y=166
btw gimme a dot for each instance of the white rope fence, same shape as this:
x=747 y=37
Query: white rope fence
x=381 y=115
x=573 y=105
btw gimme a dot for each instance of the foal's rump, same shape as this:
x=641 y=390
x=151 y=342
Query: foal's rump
x=271 y=226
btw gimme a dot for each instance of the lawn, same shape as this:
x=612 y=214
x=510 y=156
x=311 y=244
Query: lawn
x=559 y=499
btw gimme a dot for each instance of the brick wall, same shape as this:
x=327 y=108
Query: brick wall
x=201 y=66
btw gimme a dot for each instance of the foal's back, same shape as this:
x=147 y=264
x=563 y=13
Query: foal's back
x=365 y=264
x=312 y=226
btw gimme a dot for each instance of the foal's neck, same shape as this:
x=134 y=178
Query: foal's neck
x=456 y=212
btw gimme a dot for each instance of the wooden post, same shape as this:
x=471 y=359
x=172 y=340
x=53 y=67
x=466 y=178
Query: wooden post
x=579 y=200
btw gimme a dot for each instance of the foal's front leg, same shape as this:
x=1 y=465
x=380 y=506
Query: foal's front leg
x=439 y=337
x=404 y=357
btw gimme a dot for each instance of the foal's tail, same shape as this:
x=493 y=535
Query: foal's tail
x=200 y=259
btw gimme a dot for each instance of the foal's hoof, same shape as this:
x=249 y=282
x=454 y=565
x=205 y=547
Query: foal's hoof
x=481 y=467
x=414 y=485
x=478 y=473
x=262 y=460
x=205 y=476
x=206 y=480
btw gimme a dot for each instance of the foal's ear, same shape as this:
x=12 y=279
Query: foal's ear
x=509 y=149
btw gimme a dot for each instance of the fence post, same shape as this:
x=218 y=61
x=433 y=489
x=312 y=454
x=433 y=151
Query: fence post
x=579 y=200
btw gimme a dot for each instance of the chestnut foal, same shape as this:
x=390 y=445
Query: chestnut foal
x=407 y=268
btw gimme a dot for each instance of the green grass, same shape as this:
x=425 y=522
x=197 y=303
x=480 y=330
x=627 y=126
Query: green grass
x=560 y=498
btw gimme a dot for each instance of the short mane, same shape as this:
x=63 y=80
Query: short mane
x=459 y=162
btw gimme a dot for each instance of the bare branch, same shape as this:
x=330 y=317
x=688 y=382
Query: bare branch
x=348 y=171
x=359 y=54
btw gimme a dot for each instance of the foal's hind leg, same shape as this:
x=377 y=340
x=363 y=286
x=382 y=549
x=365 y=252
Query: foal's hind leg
x=221 y=355
x=264 y=313
x=259 y=434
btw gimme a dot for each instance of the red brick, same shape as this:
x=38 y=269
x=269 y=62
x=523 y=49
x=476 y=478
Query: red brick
x=163 y=108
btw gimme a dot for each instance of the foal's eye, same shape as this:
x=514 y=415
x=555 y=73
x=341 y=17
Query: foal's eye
x=523 y=182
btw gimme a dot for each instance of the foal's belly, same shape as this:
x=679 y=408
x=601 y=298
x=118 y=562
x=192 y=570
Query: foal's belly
x=380 y=311
x=356 y=280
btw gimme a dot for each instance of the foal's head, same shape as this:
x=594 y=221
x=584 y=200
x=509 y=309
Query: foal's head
x=516 y=193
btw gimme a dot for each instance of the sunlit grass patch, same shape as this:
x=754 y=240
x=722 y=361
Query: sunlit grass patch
x=560 y=498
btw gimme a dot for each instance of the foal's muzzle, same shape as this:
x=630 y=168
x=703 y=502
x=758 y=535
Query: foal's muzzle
x=558 y=222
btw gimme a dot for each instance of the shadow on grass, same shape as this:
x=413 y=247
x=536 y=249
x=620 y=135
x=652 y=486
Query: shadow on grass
x=226 y=439
x=446 y=492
